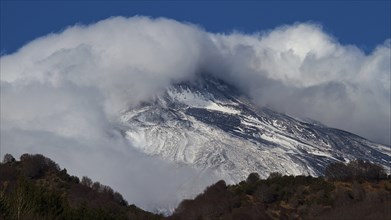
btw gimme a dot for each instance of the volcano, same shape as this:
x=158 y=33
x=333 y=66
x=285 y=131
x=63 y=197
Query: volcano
x=210 y=125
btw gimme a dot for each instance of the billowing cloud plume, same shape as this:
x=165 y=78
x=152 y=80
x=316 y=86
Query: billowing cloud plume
x=62 y=94
x=302 y=71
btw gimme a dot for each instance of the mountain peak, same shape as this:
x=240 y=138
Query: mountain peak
x=210 y=125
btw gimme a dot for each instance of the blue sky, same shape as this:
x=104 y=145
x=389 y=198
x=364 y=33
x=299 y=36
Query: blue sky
x=362 y=23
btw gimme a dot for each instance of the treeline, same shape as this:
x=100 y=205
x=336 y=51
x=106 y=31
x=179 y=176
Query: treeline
x=362 y=190
x=36 y=188
x=355 y=170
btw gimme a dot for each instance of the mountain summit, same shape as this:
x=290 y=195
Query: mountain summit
x=211 y=125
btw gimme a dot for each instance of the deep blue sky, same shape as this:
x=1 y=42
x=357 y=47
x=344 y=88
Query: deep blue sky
x=363 y=23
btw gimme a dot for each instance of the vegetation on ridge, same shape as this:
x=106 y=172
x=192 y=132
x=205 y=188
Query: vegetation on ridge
x=361 y=191
x=36 y=188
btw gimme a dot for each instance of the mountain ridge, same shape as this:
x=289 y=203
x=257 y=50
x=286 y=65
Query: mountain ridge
x=211 y=125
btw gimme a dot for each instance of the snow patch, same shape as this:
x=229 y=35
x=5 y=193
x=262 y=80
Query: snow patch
x=194 y=100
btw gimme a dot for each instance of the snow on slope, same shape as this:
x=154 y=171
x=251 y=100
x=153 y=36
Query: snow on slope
x=211 y=126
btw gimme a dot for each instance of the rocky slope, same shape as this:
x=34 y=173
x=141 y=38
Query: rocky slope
x=212 y=126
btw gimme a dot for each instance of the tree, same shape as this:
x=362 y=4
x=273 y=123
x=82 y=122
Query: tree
x=361 y=169
x=253 y=178
x=274 y=175
x=86 y=181
x=95 y=186
x=355 y=170
x=338 y=171
x=35 y=166
x=22 y=203
x=118 y=198
x=8 y=158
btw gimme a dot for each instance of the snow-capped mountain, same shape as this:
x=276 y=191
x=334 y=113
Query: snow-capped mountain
x=211 y=125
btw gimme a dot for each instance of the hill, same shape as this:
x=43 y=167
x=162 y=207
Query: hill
x=36 y=188
x=290 y=197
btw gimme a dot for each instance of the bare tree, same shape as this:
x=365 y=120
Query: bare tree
x=86 y=181
x=8 y=158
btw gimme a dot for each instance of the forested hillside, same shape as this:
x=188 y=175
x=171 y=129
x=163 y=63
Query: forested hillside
x=358 y=190
x=36 y=188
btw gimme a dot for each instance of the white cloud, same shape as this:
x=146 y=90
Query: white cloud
x=61 y=94
x=302 y=71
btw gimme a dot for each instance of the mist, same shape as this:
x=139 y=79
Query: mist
x=62 y=94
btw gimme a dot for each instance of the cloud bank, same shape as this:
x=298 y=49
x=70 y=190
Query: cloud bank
x=62 y=94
